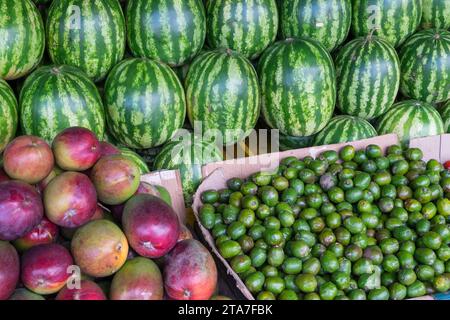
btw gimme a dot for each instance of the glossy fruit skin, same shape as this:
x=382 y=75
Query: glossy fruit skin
x=76 y=149
x=190 y=272
x=96 y=44
x=21 y=209
x=392 y=20
x=425 y=71
x=72 y=100
x=28 y=158
x=24 y=39
x=138 y=279
x=108 y=149
x=9 y=110
x=344 y=129
x=151 y=225
x=327 y=21
x=9 y=269
x=45 y=232
x=116 y=179
x=70 y=199
x=290 y=58
x=234 y=25
x=166 y=30
x=44 y=268
x=435 y=14
x=368 y=77
x=411 y=119
x=99 y=248
x=88 y=290
x=133 y=119
x=25 y=294
x=222 y=92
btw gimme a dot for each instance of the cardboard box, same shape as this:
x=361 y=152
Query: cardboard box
x=216 y=174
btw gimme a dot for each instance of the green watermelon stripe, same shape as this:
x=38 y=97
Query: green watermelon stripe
x=9 y=117
x=436 y=14
x=425 y=67
x=23 y=38
x=298 y=86
x=344 y=129
x=245 y=26
x=96 y=45
x=145 y=103
x=368 y=77
x=171 y=31
x=327 y=21
x=57 y=97
x=223 y=93
x=445 y=113
x=411 y=119
x=396 y=19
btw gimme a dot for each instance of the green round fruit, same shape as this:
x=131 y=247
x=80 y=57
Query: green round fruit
x=94 y=41
x=294 y=59
x=23 y=38
x=248 y=27
x=145 y=123
x=54 y=98
x=169 y=31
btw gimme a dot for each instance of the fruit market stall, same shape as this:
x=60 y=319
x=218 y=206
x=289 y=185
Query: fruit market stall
x=217 y=149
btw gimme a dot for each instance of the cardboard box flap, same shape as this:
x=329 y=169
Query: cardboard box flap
x=445 y=148
x=169 y=179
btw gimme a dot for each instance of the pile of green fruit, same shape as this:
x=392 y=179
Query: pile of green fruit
x=346 y=225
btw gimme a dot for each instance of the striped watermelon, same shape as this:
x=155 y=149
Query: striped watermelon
x=8 y=111
x=145 y=103
x=393 y=20
x=445 y=113
x=187 y=153
x=368 y=77
x=143 y=167
x=88 y=34
x=344 y=129
x=22 y=38
x=327 y=21
x=222 y=92
x=436 y=14
x=171 y=31
x=247 y=26
x=411 y=119
x=298 y=86
x=54 y=98
x=290 y=142
x=425 y=66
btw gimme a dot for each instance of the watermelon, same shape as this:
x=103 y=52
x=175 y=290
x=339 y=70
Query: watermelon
x=291 y=142
x=145 y=103
x=327 y=21
x=222 y=92
x=392 y=20
x=54 y=98
x=425 y=66
x=171 y=31
x=298 y=86
x=88 y=34
x=344 y=128
x=22 y=38
x=187 y=153
x=436 y=14
x=411 y=119
x=445 y=113
x=41 y=1
x=368 y=77
x=8 y=111
x=143 y=167
x=247 y=26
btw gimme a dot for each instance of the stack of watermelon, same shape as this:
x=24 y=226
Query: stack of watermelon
x=134 y=71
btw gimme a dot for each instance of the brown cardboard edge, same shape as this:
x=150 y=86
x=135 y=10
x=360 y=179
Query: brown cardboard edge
x=171 y=180
x=216 y=174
